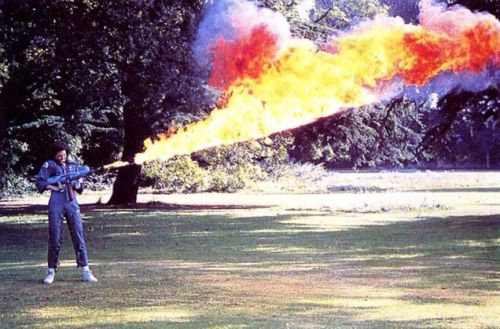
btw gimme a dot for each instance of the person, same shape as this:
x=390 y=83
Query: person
x=62 y=203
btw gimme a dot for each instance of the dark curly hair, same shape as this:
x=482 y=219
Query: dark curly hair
x=59 y=146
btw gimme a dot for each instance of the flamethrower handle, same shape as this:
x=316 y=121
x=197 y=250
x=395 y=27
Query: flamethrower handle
x=82 y=172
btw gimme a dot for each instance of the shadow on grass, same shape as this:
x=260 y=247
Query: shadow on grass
x=7 y=209
x=146 y=255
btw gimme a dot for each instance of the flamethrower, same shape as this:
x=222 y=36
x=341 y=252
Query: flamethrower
x=81 y=171
x=77 y=173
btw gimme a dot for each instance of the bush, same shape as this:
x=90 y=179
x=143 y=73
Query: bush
x=179 y=175
x=219 y=169
x=232 y=178
x=100 y=181
x=13 y=185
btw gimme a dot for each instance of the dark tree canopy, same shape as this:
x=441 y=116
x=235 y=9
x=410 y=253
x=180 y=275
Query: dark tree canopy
x=491 y=6
x=50 y=88
x=372 y=136
x=465 y=132
x=150 y=42
x=103 y=75
x=107 y=75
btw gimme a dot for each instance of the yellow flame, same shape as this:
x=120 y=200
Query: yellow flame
x=305 y=84
x=116 y=164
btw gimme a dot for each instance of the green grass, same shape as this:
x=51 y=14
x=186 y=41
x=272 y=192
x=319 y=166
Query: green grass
x=254 y=268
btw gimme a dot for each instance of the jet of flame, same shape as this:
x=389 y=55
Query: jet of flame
x=116 y=164
x=273 y=83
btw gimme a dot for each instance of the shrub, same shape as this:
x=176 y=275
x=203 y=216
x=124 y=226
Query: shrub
x=100 y=182
x=219 y=169
x=233 y=177
x=14 y=185
x=180 y=174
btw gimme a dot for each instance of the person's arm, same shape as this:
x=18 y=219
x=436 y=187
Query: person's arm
x=79 y=185
x=55 y=188
x=41 y=181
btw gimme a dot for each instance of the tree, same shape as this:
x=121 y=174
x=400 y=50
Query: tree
x=103 y=75
x=49 y=89
x=352 y=139
x=465 y=130
x=149 y=42
x=325 y=17
x=384 y=135
x=490 y=6
x=343 y=14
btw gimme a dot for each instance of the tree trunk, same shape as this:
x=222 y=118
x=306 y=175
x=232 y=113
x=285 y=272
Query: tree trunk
x=136 y=130
x=126 y=186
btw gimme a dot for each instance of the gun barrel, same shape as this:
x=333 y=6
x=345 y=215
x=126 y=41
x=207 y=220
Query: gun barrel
x=82 y=171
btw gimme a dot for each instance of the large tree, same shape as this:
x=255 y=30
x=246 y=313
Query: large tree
x=364 y=137
x=491 y=6
x=384 y=135
x=150 y=42
x=103 y=75
x=50 y=87
x=465 y=131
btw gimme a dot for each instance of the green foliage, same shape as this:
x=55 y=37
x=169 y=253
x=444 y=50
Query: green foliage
x=102 y=75
x=325 y=16
x=220 y=169
x=178 y=175
x=52 y=88
x=346 y=13
x=371 y=136
x=465 y=131
x=474 y=5
x=14 y=185
x=11 y=183
x=106 y=75
x=231 y=168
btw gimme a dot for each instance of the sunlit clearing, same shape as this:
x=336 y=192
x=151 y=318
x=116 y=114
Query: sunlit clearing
x=71 y=316
x=379 y=308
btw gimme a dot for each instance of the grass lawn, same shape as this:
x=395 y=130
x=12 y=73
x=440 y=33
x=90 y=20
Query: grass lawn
x=179 y=266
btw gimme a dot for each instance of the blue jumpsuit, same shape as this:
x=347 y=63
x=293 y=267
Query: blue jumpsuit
x=60 y=206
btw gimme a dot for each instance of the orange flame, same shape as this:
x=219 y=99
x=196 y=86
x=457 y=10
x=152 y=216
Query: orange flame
x=247 y=57
x=430 y=53
x=269 y=90
x=116 y=164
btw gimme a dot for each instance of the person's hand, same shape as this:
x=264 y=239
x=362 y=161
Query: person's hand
x=56 y=188
x=78 y=184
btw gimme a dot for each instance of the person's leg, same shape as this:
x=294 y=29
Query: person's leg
x=54 y=242
x=55 y=237
x=76 y=230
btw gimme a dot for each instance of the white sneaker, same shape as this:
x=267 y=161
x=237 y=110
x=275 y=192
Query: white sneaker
x=49 y=276
x=87 y=275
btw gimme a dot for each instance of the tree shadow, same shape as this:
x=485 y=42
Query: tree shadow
x=11 y=210
x=443 y=252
